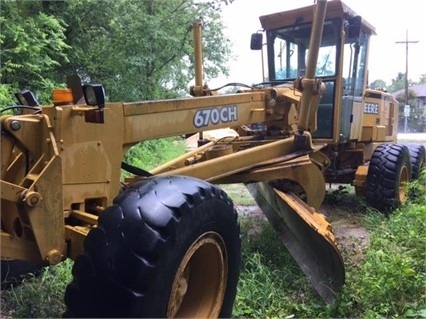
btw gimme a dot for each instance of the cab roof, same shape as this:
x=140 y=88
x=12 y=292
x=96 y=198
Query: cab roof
x=335 y=9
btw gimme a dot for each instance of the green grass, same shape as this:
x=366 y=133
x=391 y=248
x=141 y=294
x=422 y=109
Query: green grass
x=38 y=297
x=271 y=284
x=388 y=283
x=391 y=281
x=238 y=193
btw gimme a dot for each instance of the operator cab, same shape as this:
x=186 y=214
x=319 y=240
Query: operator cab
x=341 y=65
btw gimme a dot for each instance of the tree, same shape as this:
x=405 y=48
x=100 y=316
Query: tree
x=422 y=79
x=398 y=83
x=139 y=50
x=414 y=120
x=32 y=45
x=378 y=85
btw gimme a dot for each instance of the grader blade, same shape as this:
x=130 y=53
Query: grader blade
x=307 y=236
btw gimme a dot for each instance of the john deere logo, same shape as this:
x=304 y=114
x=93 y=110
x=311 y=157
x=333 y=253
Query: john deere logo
x=371 y=108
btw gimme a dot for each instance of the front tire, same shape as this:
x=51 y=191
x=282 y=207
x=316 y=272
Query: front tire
x=388 y=172
x=168 y=247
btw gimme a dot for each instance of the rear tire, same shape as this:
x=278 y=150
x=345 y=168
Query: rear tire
x=389 y=170
x=169 y=246
x=417 y=158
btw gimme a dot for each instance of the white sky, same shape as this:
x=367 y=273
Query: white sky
x=391 y=19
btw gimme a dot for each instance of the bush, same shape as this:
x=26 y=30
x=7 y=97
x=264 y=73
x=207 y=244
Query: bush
x=151 y=153
x=391 y=281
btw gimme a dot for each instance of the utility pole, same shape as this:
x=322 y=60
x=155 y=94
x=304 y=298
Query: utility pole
x=407 y=106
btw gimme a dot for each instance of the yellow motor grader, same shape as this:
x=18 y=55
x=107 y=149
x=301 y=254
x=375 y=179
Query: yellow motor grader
x=166 y=242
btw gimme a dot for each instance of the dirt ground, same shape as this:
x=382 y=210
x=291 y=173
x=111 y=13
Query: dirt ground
x=351 y=236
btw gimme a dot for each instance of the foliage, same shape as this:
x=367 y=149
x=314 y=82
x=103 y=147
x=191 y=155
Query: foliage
x=271 y=284
x=395 y=266
x=149 y=154
x=334 y=196
x=139 y=50
x=39 y=297
x=388 y=281
x=398 y=83
x=416 y=112
x=6 y=92
x=415 y=121
x=391 y=281
x=32 y=45
x=378 y=84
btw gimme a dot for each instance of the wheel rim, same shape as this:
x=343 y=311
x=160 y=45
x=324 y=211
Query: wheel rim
x=404 y=178
x=199 y=285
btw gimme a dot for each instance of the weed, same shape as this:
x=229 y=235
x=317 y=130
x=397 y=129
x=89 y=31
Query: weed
x=344 y=197
x=271 y=284
x=417 y=188
x=389 y=280
x=42 y=296
x=336 y=195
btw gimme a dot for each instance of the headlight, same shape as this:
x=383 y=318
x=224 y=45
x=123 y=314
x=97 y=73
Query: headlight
x=94 y=94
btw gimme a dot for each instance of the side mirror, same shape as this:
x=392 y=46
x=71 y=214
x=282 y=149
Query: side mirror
x=256 y=41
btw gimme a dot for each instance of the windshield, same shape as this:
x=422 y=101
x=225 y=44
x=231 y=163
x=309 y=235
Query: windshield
x=288 y=51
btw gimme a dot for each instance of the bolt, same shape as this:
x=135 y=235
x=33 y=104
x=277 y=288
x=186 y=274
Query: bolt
x=272 y=102
x=15 y=125
x=32 y=198
x=54 y=256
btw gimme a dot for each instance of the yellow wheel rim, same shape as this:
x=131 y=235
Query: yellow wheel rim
x=199 y=285
x=404 y=178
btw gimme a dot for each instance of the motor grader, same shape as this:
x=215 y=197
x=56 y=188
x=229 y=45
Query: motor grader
x=166 y=242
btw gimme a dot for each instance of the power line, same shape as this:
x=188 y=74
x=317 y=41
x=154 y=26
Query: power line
x=406 y=63
x=406 y=42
